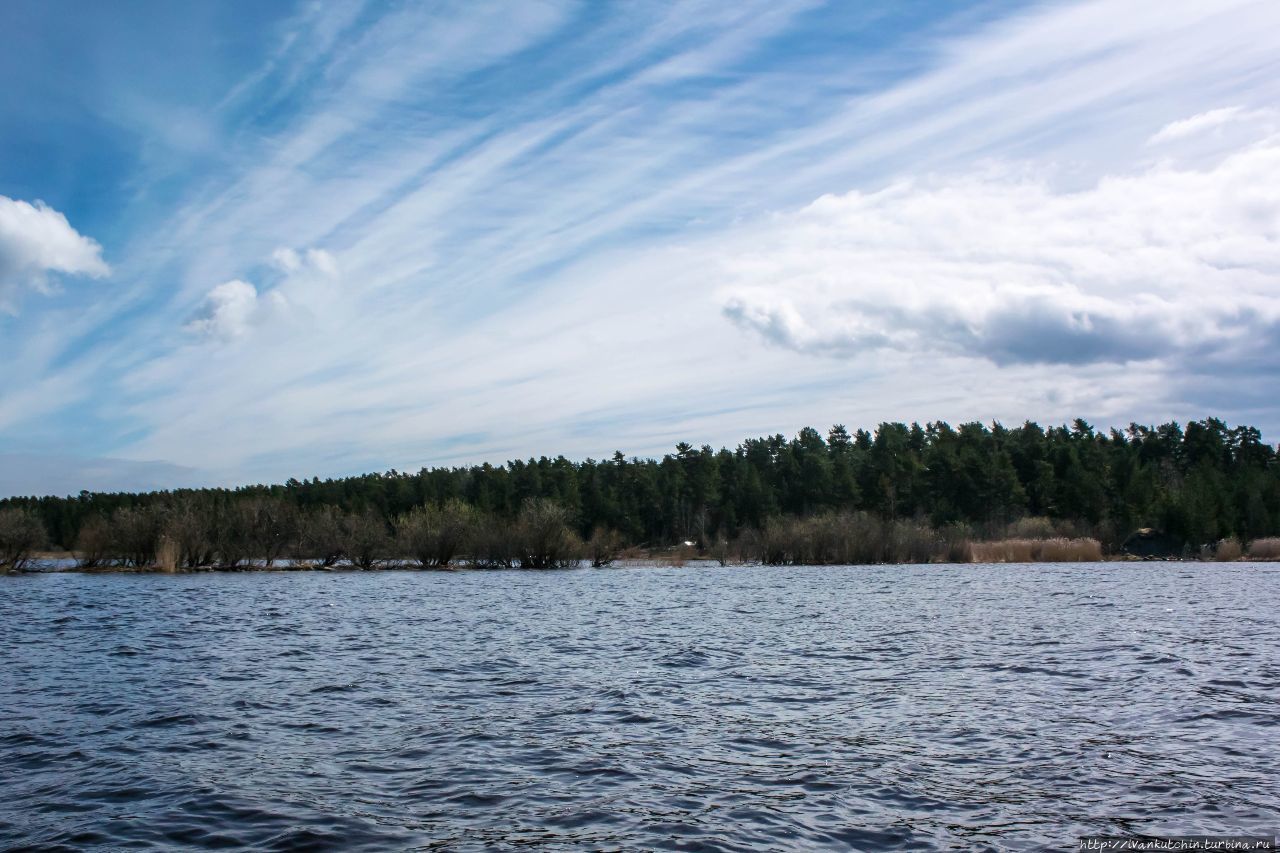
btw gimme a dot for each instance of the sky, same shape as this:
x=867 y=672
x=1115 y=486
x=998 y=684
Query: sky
x=242 y=242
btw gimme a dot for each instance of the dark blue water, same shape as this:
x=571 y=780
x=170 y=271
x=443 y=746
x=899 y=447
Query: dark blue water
x=685 y=709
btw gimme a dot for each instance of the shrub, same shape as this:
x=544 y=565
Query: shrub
x=188 y=526
x=433 y=536
x=134 y=535
x=270 y=527
x=1032 y=527
x=365 y=539
x=93 y=544
x=1265 y=549
x=232 y=536
x=321 y=537
x=21 y=534
x=957 y=544
x=493 y=544
x=1228 y=550
x=848 y=539
x=604 y=546
x=726 y=553
x=546 y=540
x=909 y=542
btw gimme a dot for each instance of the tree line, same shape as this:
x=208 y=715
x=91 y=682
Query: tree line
x=1199 y=483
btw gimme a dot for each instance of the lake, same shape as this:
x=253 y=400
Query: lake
x=699 y=708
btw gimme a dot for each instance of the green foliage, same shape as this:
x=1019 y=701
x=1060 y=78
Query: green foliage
x=1200 y=483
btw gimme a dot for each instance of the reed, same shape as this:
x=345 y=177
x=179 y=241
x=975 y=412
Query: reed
x=167 y=555
x=1004 y=551
x=1055 y=550
x=1265 y=549
x=1228 y=550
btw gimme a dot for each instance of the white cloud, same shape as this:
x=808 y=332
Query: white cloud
x=1153 y=264
x=1208 y=121
x=36 y=240
x=232 y=309
x=322 y=262
x=228 y=312
x=286 y=260
x=291 y=262
x=475 y=290
x=546 y=266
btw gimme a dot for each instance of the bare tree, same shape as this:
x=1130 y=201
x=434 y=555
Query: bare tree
x=271 y=526
x=494 y=543
x=232 y=536
x=188 y=526
x=135 y=535
x=21 y=533
x=604 y=546
x=321 y=536
x=366 y=542
x=434 y=535
x=546 y=540
x=93 y=544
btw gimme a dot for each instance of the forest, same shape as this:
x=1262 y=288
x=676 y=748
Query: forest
x=900 y=493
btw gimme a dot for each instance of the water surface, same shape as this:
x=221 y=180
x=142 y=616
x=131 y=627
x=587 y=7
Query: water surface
x=888 y=707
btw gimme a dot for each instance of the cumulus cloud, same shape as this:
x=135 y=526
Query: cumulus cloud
x=228 y=312
x=36 y=241
x=232 y=309
x=1158 y=263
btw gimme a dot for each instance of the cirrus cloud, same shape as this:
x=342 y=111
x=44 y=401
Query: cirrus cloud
x=1209 y=121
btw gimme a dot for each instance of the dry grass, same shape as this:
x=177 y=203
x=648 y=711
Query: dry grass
x=1004 y=551
x=167 y=555
x=1228 y=550
x=1056 y=550
x=1079 y=550
x=677 y=556
x=859 y=538
x=1265 y=549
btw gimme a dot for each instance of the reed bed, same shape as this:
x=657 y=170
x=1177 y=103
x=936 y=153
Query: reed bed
x=1055 y=550
x=1228 y=550
x=1265 y=549
x=861 y=539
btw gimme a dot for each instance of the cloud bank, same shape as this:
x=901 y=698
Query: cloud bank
x=1001 y=265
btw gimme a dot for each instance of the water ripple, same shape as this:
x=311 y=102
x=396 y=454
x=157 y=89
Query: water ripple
x=888 y=708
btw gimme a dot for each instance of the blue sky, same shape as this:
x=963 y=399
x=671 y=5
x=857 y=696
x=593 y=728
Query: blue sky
x=246 y=241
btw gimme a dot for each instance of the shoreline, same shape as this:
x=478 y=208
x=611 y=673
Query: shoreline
x=641 y=563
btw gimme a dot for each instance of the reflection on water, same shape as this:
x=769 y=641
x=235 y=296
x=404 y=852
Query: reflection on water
x=893 y=707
